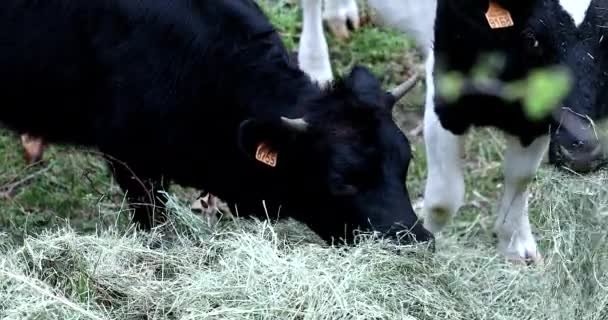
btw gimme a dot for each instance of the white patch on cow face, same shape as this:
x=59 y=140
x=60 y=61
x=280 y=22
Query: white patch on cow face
x=576 y=8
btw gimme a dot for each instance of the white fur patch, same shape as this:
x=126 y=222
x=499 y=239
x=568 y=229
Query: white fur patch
x=414 y=17
x=576 y=8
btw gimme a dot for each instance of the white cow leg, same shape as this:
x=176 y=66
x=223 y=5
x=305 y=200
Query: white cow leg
x=338 y=14
x=207 y=205
x=515 y=239
x=444 y=193
x=313 y=53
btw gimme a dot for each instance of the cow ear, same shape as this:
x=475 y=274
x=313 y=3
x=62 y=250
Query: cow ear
x=264 y=140
x=365 y=87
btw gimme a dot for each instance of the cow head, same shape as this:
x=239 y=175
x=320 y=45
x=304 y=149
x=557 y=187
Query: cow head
x=581 y=44
x=545 y=33
x=341 y=165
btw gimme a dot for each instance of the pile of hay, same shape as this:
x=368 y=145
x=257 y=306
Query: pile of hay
x=252 y=270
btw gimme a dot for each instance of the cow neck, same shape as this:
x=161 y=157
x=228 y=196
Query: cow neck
x=270 y=83
x=289 y=91
x=463 y=14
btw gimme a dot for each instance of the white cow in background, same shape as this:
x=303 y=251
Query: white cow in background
x=414 y=17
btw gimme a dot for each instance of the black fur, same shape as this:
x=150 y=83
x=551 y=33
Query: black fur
x=543 y=35
x=183 y=91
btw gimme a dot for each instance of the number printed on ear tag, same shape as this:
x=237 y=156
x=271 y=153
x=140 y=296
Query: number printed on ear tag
x=498 y=17
x=266 y=155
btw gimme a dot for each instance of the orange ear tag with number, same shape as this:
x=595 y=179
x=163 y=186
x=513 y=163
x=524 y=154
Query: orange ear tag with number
x=266 y=155
x=498 y=17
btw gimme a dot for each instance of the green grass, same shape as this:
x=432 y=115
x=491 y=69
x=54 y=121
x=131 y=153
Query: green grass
x=67 y=253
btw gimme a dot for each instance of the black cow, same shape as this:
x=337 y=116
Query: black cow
x=144 y=81
x=529 y=35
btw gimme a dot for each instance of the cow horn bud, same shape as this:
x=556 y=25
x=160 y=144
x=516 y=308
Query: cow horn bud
x=401 y=90
x=298 y=124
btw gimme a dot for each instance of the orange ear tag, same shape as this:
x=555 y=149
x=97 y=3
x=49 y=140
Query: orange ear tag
x=265 y=155
x=498 y=17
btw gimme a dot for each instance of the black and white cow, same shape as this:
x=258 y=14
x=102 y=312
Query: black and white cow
x=144 y=81
x=543 y=33
x=417 y=18
x=456 y=33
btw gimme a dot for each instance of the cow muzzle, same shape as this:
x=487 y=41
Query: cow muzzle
x=579 y=155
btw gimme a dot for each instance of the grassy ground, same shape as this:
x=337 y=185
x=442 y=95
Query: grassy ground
x=66 y=252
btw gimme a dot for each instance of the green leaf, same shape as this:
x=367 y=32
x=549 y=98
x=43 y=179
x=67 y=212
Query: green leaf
x=546 y=89
x=449 y=86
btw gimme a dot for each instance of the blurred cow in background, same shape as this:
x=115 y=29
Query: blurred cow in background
x=414 y=17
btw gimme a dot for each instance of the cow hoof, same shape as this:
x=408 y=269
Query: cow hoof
x=527 y=261
x=342 y=18
x=520 y=251
x=207 y=207
x=436 y=219
x=33 y=148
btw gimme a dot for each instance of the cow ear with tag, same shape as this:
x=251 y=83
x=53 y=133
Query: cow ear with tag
x=265 y=140
x=498 y=17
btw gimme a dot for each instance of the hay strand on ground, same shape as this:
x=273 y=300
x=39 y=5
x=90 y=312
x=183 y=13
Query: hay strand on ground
x=256 y=270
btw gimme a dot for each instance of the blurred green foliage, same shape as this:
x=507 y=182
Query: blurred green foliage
x=540 y=91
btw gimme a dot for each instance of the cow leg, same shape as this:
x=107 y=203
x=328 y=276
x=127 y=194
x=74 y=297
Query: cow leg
x=207 y=204
x=142 y=194
x=515 y=239
x=444 y=192
x=313 y=53
x=340 y=15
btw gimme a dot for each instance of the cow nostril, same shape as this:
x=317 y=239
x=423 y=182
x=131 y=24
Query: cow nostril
x=565 y=153
x=596 y=152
